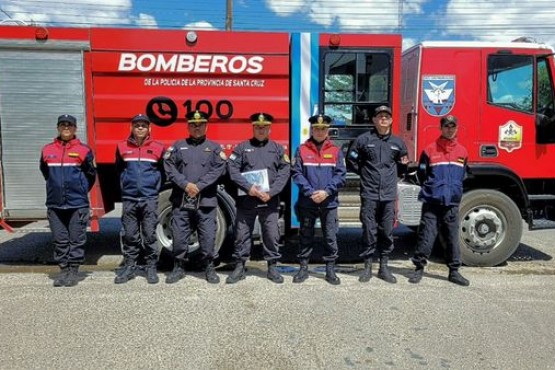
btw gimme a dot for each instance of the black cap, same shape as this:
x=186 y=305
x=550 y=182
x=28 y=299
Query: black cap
x=382 y=109
x=197 y=117
x=449 y=120
x=140 y=118
x=320 y=120
x=67 y=118
x=262 y=119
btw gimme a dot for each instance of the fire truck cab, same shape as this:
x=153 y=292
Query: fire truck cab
x=503 y=95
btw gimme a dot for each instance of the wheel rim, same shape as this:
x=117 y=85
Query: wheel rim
x=164 y=232
x=482 y=229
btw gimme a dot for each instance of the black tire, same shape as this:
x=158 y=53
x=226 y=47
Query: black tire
x=163 y=229
x=490 y=227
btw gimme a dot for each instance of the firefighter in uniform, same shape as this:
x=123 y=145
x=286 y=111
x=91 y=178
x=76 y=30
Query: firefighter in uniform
x=194 y=166
x=257 y=157
x=69 y=170
x=319 y=171
x=140 y=167
x=441 y=171
x=374 y=156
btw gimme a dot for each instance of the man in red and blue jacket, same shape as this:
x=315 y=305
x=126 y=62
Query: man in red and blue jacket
x=139 y=163
x=69 y=170
x=319 y=171
x=441 y=171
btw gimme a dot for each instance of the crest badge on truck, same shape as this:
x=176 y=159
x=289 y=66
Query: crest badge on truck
x=438 y=97
x=510 y=136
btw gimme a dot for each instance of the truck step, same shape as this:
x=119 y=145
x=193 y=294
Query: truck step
x=537 y=197
x=348 y=213
x=542 y=223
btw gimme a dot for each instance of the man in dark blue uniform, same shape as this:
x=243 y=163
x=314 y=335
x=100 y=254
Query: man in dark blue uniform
x=140 y=168
x=441 y=170
x=319 y=171
x=374 y=156
x=194 y=166
x=260 y=168
x=69 y=170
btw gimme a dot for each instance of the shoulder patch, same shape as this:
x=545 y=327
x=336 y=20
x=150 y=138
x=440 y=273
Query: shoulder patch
x=286 y=158
x=168 y=152
x=233 y=156
x=223 y=156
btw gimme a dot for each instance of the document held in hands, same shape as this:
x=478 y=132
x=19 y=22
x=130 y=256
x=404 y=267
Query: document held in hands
x=258 y=178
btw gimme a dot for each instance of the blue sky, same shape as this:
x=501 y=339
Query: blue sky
x=416 y=20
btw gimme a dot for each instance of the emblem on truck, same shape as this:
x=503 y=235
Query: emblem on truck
x=438 y=96
x=510 y=136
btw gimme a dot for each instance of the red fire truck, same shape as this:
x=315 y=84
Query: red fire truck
x=503 y=95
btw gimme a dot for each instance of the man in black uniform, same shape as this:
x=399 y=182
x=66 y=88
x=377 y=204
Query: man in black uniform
x=319 y=171
x=194 y=166
x=374 y=156
x=260 y=168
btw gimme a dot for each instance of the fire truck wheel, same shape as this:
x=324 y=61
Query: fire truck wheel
x=490 y=227
x=164 y=233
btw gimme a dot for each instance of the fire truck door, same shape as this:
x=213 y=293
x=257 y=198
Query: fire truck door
x=35 y=87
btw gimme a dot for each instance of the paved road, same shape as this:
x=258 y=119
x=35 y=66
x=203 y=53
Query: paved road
x=504 y=320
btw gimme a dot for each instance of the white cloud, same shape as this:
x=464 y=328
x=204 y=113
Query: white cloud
x=202 y=25
x=408 y=42
x=500 y=20
x=146 y=21
x=74 y=13
x=350 y=15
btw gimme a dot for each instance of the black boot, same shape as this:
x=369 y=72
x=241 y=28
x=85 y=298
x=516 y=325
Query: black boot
x=384 y=273
x=125 y=274
x=72 y=278
x=177 y=273
x=367 y=272
x=273 y=273
x=62 y=277
x=331 y=277
x=417 y=275
x=237 y=274
x=302 y=274
x=152 y=274
x=211 y=275
x=456 y=277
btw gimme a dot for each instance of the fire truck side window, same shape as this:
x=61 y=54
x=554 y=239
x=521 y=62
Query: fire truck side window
x=545 y=120
x=355 y=83
x=511 y=81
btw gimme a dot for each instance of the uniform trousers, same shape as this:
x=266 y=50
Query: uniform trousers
x=438 y=219
x=69 y=233
x=138 y=230
x=268 y=218
x=329 y=224
x=377 y=219
x=184 y=222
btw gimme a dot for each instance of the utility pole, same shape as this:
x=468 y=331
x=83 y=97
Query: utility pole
x=229 y=16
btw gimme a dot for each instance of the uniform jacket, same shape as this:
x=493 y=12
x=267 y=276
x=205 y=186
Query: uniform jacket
x=253 y=155
x=69 y=171
x=375 y=158
x=441 y=171
x=315 y=169
x=140 y=168
x=199 y=162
